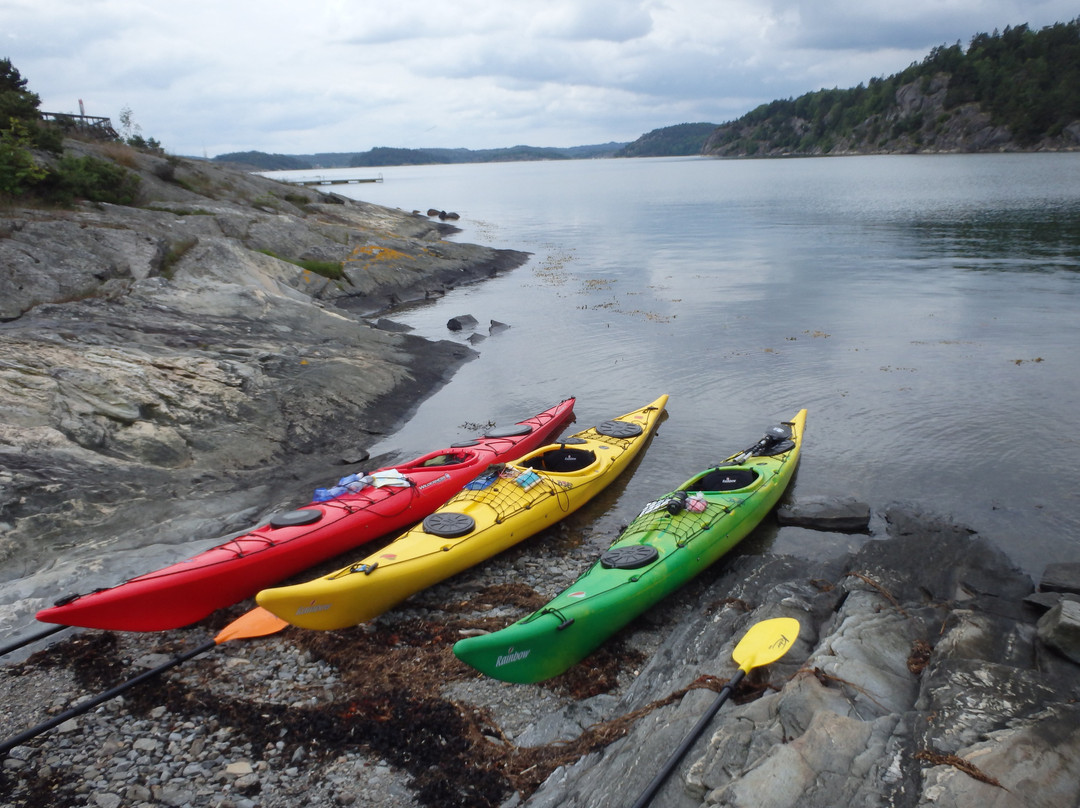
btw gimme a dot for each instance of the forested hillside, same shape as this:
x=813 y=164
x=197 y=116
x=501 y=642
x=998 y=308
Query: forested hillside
x=1014 y=90
x=388 y=156
x=671 y=141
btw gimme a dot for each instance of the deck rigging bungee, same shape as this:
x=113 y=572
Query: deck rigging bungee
x=672 y=539
x=333 y=523
x=504 y=505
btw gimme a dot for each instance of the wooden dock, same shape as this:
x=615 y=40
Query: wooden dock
x=337 y=181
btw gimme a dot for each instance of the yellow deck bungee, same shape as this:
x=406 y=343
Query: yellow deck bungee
x=503 y=506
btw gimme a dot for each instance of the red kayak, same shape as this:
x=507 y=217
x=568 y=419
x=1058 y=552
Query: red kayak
x=357 y=510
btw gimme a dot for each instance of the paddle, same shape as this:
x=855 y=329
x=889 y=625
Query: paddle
x=41 y=635
x=256 y=623
x=772 y=437
x=765 y=642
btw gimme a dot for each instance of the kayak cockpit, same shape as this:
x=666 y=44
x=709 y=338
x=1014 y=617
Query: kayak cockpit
x=561 y=460
x=724 y=479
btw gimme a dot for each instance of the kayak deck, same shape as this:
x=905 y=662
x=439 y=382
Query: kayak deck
x=339 y=519
x=504 y=505
x=672 y=540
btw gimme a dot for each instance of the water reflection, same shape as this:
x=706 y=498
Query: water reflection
x=922 y=309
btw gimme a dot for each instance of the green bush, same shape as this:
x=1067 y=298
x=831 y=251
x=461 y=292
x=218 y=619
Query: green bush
x=91 y=179
x=18 y=170
x=328 y=269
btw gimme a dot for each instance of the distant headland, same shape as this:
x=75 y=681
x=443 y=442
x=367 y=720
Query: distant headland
x=1011 y=91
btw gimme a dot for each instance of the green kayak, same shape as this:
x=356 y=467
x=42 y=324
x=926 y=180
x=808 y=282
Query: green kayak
x=673 y=539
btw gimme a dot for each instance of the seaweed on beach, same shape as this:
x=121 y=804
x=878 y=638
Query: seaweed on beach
x=599 y=673
x=30 y=789
x=92 y=657
x=387 y=701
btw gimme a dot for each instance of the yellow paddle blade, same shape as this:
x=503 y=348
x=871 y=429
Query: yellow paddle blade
x=256 y=623
x=766 y=642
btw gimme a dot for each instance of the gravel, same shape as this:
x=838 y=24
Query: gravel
x=378 y=715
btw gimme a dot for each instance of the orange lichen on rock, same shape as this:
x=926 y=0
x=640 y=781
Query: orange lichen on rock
x=373 y=252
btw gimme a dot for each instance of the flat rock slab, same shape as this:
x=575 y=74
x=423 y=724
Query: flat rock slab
x=917 y=677
x=832 y=513
x=1062 y=577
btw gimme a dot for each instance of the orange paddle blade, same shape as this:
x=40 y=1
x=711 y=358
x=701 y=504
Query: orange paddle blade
x=256 y=623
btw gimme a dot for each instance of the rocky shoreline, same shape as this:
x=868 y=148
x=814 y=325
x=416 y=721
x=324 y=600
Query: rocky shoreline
x=170 y=372
x=926 y=672
x=136 y=342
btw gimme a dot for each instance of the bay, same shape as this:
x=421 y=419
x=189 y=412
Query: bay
x=922 y=308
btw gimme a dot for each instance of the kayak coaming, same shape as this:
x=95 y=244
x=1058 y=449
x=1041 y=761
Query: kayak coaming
x=502 y=514
x=604 y=599
x=189 y=590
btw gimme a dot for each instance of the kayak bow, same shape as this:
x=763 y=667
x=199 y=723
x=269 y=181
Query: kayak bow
x=503 y=506
x=672 y=540
x=339 y=519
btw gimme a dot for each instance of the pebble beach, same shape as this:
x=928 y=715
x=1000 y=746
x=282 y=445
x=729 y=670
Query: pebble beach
x=275 y=721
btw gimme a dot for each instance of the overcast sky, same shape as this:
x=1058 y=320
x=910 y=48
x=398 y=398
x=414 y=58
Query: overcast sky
x=207 y=77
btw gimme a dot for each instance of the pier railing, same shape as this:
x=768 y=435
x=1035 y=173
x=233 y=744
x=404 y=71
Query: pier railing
x=84 y=124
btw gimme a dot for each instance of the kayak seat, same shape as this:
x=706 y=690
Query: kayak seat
x=724 y=480
x=563 y=459
x=444 y=460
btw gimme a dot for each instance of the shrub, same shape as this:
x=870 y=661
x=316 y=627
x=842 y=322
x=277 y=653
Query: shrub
x=120 y=153
x=18 y=170
x=176 y=251
x=91 y=179
x=328 y=269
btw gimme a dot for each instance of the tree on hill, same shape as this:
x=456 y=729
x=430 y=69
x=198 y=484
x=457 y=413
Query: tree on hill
x=23 y=176
x=670 y=141
x=16 y=101
x=19 y=133
x=264 y=161
x=1026 y=82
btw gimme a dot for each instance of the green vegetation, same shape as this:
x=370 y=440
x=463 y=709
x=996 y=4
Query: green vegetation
x=26 y=178
x=386 y=156
x=328 y=269
x=131 y=133
x=19 y=107
x=1026 y=81
x=18 y=170
x=88 y=178
x=264 y=161
x=175 y=253
x=671 y=141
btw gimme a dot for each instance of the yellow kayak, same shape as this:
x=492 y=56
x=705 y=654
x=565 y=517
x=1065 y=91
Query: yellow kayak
x=506 y=504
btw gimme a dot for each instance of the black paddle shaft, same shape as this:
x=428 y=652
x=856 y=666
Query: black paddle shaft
x=41 y=635
x=89 y=704
x=673 y=761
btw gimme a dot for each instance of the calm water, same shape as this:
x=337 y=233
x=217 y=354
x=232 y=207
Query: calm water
x=923 y=309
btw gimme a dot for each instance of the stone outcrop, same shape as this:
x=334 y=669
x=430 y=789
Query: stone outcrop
x=919 y=678
x=838 y=514
x=169 y=372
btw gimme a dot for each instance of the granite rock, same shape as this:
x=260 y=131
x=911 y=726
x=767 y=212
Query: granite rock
x=171 y=374
x=912 y=683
